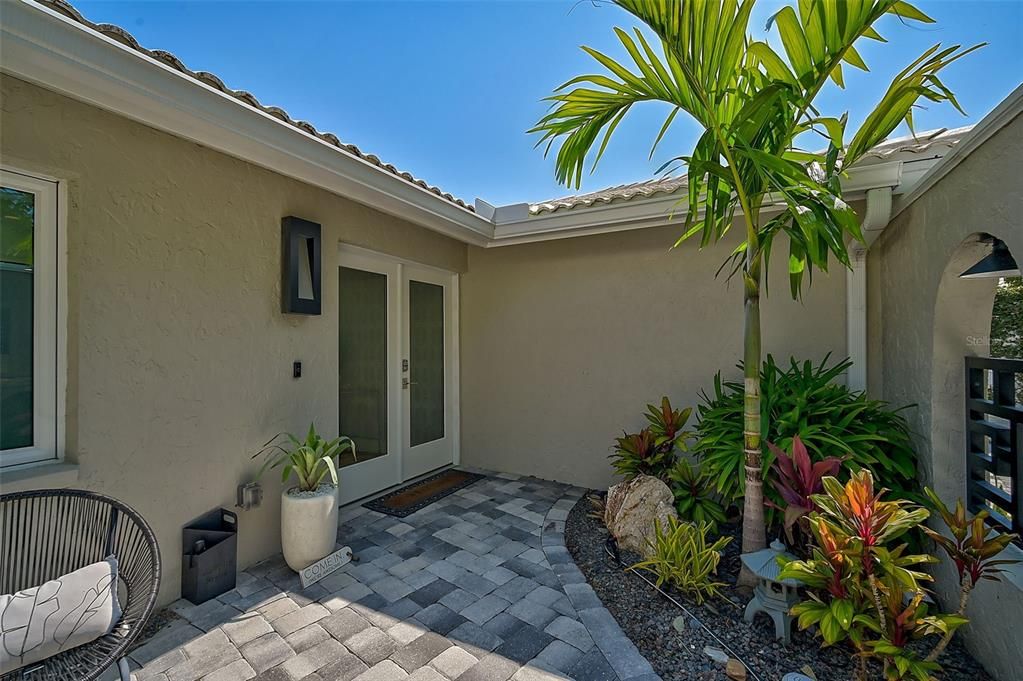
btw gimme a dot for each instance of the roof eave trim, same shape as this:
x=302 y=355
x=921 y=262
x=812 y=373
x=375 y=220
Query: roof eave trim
x=998 y=118
x=656 y=211
x=42 y=46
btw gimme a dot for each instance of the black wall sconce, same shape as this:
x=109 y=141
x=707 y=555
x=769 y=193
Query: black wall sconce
x=300 y=266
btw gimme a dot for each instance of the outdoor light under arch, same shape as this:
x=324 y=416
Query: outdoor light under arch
x=996 y=264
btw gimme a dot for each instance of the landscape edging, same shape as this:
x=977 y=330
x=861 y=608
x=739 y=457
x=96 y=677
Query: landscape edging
x=618 y=649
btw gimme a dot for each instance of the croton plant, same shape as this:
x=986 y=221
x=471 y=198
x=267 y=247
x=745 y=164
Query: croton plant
x=972 y=548
x=862 y=585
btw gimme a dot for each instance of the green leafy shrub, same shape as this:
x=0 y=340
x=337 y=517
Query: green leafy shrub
x=695 y=498
x=1007 y=323
x=830 y=419
x=683 y=558
x=653 y=450
x=635 y=454
x=309 y=460
x=859 y=577
x=668 y=425
x=865 y=588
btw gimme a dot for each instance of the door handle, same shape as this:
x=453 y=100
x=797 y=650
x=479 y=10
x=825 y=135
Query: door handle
x=405 y=383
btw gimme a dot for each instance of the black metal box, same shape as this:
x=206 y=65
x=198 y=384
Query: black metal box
x=209 y=562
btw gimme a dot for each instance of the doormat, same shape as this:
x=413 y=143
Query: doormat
x=410 y=498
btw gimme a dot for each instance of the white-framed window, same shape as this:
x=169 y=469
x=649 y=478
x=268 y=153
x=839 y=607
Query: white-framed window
x=30 y=328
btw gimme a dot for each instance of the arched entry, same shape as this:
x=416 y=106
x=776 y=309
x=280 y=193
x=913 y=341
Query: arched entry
x=962 y=324
x=968 y=398
x=928 y=320
x=982 y=465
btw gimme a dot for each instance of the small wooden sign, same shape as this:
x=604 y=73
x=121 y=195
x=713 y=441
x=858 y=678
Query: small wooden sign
x=325 y=566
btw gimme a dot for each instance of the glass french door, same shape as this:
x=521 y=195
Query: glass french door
x=396 y=370
x=368 y=381
x=427 y=376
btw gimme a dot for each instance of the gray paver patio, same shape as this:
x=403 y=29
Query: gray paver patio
x=478 y=585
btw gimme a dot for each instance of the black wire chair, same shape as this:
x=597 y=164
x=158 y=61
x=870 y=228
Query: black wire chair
x=48 y=533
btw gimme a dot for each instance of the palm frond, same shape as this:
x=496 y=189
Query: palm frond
x=919 y=79
x=752 y=102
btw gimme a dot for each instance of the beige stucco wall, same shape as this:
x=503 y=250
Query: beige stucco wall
x=566 y=341
x=179 y=358
x=929 y=321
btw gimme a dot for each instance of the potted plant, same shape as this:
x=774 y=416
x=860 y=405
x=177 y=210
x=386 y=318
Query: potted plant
x=308 y=509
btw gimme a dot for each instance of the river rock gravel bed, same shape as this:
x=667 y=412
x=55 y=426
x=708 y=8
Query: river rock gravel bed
x=646 y=618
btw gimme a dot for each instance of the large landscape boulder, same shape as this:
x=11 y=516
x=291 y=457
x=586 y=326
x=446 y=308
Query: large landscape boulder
x=632 y=507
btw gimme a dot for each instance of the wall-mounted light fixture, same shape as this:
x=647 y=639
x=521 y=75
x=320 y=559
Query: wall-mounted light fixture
x=996 y=264
x=300 y=266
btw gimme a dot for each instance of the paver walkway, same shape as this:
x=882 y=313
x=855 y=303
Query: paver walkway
x=476 y=587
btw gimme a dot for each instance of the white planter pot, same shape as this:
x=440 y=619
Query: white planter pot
x=308 y=527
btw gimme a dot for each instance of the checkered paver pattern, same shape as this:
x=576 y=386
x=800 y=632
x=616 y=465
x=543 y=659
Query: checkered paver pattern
x=476 y=587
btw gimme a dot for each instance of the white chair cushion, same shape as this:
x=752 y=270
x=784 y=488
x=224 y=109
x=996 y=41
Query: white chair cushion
x=61 y=614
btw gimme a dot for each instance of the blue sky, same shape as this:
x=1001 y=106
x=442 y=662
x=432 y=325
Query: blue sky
x=446 y=90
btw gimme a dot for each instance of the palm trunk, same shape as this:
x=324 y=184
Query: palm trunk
x=754 y=535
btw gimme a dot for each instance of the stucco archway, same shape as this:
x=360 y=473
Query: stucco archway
x=962 y=322
x=927 y=320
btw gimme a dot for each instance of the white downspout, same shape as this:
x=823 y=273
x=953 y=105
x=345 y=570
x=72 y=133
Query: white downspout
x=879 y=212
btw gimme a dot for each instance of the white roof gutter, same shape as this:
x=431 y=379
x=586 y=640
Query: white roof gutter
x=514 y=225
x=878 y=215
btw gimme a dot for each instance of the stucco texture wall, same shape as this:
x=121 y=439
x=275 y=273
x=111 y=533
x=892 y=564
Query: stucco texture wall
x=179 y=358
x=930 y=319
x=566 y=341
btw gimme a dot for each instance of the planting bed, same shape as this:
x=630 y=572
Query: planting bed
x=647 y=619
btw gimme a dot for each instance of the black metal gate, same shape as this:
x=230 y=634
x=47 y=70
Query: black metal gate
x=994 y=439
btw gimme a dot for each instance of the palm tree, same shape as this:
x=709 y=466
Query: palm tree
x=752 y=103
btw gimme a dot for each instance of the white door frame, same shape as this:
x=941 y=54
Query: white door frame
x=369 y=477
x=382 y=470
x=431 y=455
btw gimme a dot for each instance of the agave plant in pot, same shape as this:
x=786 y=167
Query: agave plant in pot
x=308 y=509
